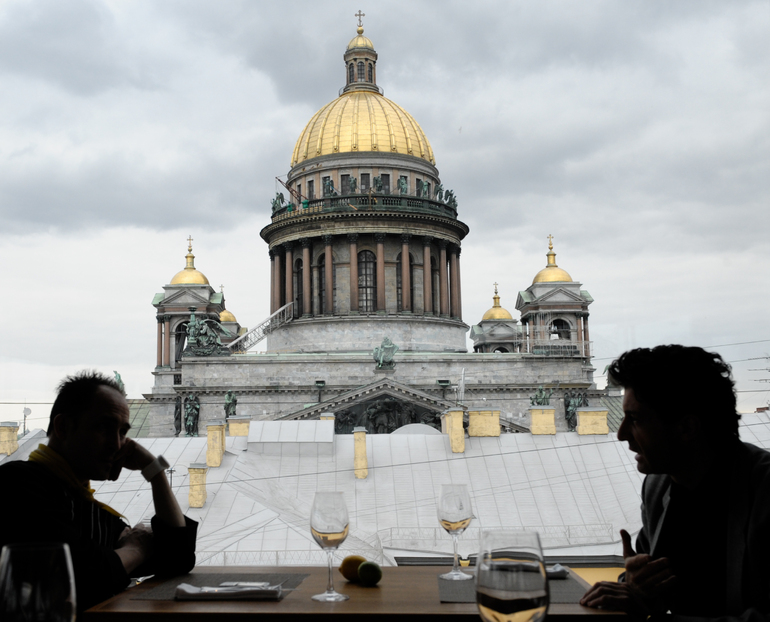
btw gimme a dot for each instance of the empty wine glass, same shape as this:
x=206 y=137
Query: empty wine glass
x=37 y=583
x=329 y=527
x=511 y=582
x=454 y=515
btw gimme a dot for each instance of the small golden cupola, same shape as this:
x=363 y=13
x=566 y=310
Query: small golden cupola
x=496 y=312
x=226 y=316
x=189 y=276
x=552 y=273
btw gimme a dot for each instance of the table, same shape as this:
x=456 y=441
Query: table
x=409 y=592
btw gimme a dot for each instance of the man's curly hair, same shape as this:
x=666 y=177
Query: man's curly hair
x=675 y=380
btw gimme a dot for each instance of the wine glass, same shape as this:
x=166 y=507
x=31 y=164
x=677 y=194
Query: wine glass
x=37 y=583
x=329 y=527
x=454 y=515
x=511 y=583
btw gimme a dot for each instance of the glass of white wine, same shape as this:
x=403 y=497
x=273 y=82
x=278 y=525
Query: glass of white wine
x=37 y=583
x=511 y=583
x=329 y=527
x=454 y=515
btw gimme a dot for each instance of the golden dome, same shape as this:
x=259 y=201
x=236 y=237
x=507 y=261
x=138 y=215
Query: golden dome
x=226 y=316
x=496 y=312
x=360 y=41
x=189 y=276
x=552 y=273
x=361 y=121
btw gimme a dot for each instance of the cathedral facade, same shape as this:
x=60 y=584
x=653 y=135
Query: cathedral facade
x=366 y=317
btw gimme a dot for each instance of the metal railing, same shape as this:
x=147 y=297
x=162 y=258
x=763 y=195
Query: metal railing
x=364 y=202
x=248 y=340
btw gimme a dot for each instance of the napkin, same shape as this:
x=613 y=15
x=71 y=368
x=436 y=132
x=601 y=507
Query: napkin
x=228 y=591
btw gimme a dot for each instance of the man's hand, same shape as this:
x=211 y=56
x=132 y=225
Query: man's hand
x=131 y=456
x=134 y=546
x=646 y=582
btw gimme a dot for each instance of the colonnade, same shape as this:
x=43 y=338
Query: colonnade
x=538 y=331
x=282 y=282
x=164 y=340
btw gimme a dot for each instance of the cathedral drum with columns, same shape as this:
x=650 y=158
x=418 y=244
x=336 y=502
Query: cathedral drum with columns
x=365 y=320
x=369 y=243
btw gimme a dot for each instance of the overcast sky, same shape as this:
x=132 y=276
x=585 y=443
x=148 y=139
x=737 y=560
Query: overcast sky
x=634 y=132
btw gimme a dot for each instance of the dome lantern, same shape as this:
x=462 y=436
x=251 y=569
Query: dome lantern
x=189 y=276
x=497 y=312
x=360 y=62
x=552 y=273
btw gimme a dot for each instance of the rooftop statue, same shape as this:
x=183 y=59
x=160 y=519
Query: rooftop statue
x=541 y=397
x=119 y=380
x=438 y=192
x=192 y=410
x=353 y=185
x=203 y=337
x=178 y=415
x=403 y=188
x=277 y=202
x=377 y=182
x=231 y=401
x=384 y=353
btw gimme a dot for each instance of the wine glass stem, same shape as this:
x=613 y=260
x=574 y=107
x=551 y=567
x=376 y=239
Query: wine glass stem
x=455 y=568
x=330 y=586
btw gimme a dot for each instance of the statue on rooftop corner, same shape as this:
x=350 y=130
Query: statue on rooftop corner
x=119 y=382
x=541 y=397
x=178 y=415
x=329 y=190
x=570 y=408
x=231 y=401
x=192 y=410
x=403 y=188
x=384 y=353
x=203 y=337
x=278 y=201
x=377 y=183
x=438 y=192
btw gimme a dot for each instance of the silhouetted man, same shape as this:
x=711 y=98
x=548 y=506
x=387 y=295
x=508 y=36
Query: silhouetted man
x=49 y=499
x=703 y=549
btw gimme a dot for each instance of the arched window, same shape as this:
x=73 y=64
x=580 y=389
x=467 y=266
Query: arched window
x=367 y=282
x=560 y=330
x=501 y=349
x=180 y=335
x=361 y=75
x=298 y=289
x=351 y=73
x=371 y=73
x=322 y=286
x=399 y=286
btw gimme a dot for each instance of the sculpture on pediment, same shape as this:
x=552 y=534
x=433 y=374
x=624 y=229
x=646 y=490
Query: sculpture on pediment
x=541 y=397
x=204 y=337
x=383 y=416
x=231 y=402
x=384 y=353
x=178 y=415
x=192 y=411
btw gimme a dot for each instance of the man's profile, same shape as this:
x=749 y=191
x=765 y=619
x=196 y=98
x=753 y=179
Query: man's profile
x=49 y=498
x=704 y=545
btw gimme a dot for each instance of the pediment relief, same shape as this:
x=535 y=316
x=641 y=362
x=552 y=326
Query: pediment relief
x=559 y=295
x=380 y=407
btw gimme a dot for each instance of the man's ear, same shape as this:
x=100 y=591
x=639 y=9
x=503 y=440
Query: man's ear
x=61 y=425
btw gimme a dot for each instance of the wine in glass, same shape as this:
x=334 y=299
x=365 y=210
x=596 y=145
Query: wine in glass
x=454 y=515
x=37 y=583
x=511 y=583
x=329 y=527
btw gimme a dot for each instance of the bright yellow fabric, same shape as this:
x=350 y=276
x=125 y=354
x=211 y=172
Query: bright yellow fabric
x=61 y=469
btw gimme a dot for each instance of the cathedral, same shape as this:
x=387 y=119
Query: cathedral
x=366 y=320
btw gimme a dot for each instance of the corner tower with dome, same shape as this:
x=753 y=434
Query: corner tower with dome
x=368 y=244
x=364 y=246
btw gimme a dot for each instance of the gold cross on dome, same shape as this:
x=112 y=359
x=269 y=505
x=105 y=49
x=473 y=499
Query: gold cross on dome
x=222 y=289
x=495 y=289
x=359 y=15
x=550 y=242
x=189 y=244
